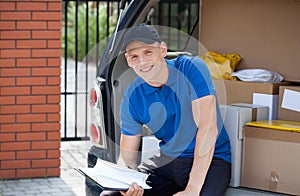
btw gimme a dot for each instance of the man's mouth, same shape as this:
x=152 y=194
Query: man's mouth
x=146 y=69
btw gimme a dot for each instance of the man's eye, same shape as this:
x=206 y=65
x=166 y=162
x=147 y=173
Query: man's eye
x=148 y=52
x=133 y=58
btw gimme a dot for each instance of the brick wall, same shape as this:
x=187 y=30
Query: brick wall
x=30 y=50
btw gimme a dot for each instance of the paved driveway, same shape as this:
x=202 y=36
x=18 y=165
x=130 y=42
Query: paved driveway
x=73 y=154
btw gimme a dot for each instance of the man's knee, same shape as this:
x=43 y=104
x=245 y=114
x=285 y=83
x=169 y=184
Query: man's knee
x=217 y=179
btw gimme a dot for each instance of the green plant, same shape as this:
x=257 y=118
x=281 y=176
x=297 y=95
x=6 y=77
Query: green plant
x=82 y=30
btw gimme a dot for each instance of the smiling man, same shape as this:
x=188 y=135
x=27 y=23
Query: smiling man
x=176 y=99
x=143 y=58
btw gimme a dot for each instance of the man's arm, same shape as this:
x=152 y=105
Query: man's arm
x=204 y=112
x=129 y=146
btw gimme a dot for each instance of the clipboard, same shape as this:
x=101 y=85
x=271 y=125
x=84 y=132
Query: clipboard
x=109 y=176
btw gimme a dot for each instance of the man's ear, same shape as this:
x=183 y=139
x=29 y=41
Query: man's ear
x=164 y=49
x=127 y=59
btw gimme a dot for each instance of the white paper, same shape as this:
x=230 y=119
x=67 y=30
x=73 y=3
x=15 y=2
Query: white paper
x=112 y=176
x=291 y=100
x=267 y=100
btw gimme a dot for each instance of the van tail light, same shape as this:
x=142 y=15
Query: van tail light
x=97 y=126
x=95 y=133
x=93 y=97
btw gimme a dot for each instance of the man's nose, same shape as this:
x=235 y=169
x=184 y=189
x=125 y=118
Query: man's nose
x=142 y=59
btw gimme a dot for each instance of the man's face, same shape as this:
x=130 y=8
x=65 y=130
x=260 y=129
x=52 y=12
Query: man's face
x=147 y=60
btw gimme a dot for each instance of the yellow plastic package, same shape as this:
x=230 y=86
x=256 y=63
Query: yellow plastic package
x=276 y=124
x=221 y=66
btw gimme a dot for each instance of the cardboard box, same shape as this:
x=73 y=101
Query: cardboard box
x=235 y=117
x=270 y=160
x=259 y=112
x=230 y=91
x=289 y=103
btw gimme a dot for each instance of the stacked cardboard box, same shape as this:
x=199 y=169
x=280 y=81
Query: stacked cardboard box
x=270 y=153
x=258 y=93
x=289 y=102
x=257 y=153
x=271 y=160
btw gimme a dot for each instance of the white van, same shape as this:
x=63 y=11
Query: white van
x=265 y=33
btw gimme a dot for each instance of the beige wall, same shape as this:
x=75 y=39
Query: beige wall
x=266 y=33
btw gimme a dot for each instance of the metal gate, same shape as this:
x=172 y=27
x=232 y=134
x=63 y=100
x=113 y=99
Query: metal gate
x=85 y=23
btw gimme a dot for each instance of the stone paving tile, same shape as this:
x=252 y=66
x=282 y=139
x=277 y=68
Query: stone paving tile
x=70 y=183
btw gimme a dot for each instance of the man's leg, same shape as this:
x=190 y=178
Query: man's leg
x=167 y=175
x=217 y=178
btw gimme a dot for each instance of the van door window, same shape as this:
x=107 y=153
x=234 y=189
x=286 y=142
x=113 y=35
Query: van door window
x=178 y=14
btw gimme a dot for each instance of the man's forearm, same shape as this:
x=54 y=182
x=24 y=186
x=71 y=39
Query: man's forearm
x=204 y=111
x=129 y=146
x=199 y=170
x=129 y=158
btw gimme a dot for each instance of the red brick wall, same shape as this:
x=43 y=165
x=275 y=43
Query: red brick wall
x=30 y=51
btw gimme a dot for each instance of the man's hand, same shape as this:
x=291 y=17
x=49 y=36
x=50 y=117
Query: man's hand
x=134 y=190
x=187 y=192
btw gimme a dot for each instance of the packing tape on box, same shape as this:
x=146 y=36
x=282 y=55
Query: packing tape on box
x=276 y=124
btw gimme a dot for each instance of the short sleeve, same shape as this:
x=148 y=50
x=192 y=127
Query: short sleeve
x=199 y=77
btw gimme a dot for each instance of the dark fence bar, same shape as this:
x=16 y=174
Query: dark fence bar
x=74 y=119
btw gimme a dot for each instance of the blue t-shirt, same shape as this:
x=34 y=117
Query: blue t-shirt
x=167 y=110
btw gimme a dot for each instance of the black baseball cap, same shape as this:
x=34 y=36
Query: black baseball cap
x=141 y=32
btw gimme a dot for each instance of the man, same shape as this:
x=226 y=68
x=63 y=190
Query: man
x=176 y=99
